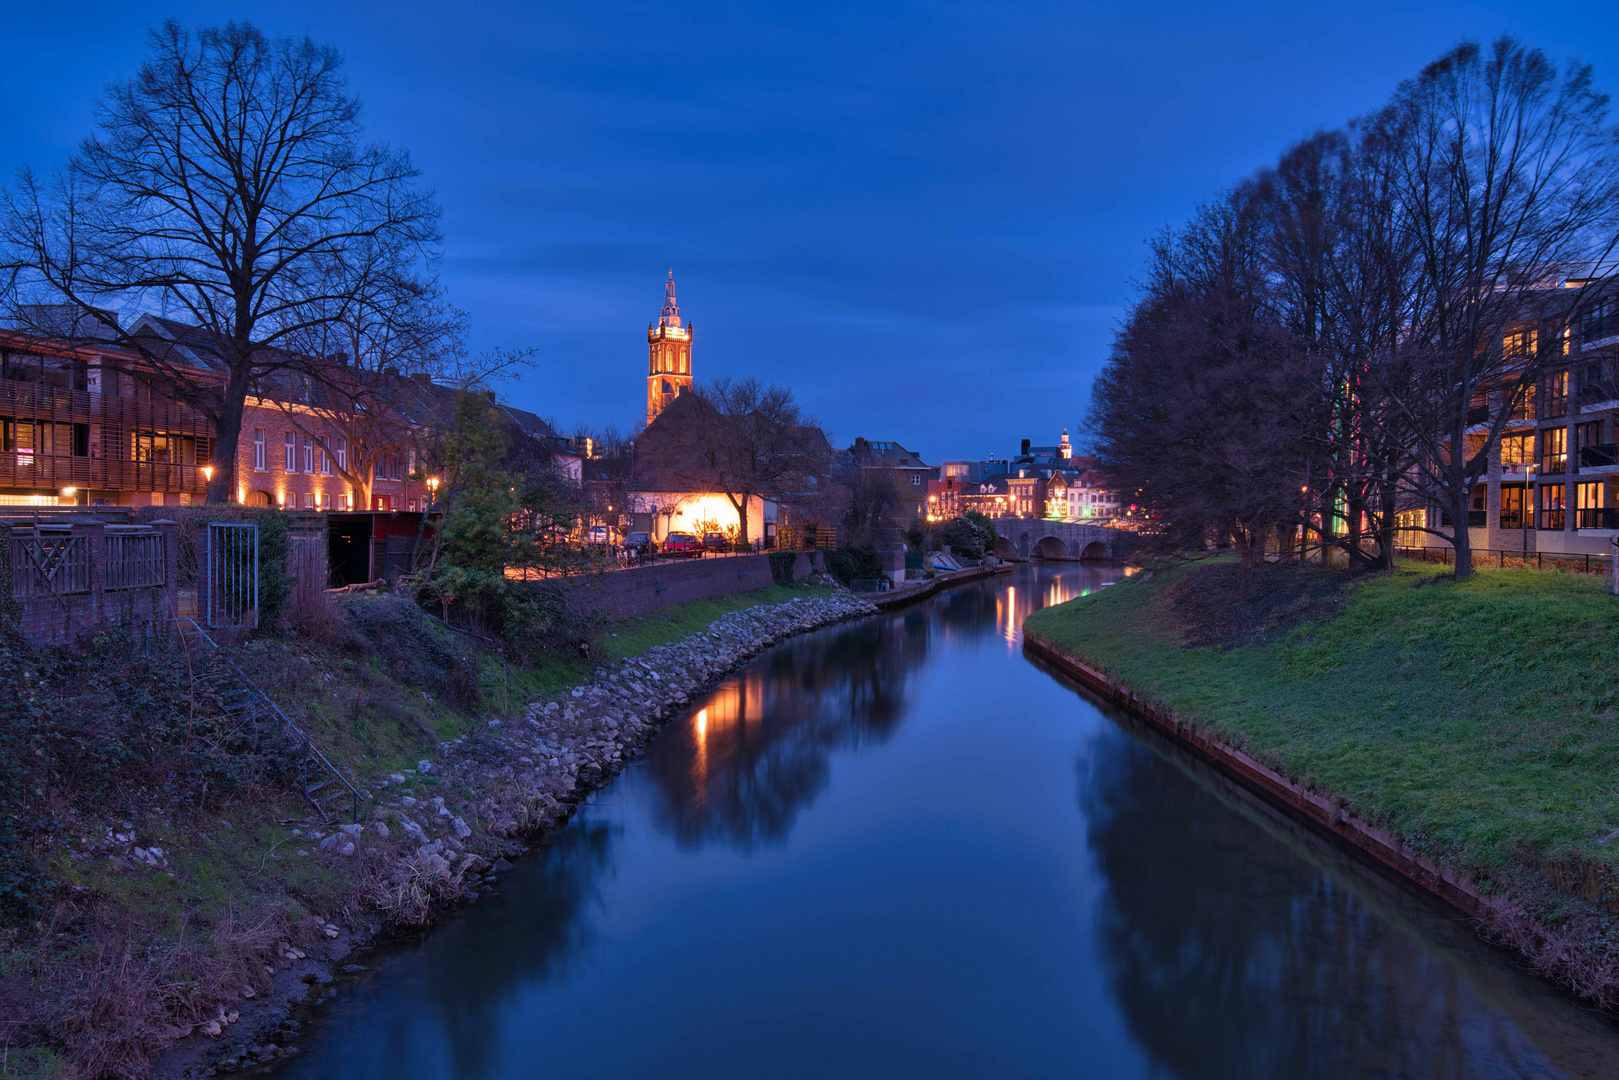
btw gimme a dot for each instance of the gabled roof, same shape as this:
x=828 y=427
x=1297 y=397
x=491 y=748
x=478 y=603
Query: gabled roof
x=884 y=454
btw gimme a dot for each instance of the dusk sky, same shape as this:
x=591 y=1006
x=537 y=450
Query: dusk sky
x=922 y=217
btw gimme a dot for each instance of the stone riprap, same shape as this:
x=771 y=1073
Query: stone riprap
x=516 y=778
x=441 y=833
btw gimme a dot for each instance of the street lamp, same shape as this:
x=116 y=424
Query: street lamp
x=1525 y=509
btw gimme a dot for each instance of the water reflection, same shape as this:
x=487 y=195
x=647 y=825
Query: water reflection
x=1261 y=969
x=749 y=757
x=438 y=1008
x=864 y=856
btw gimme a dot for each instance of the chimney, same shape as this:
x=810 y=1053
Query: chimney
x=1025 y=451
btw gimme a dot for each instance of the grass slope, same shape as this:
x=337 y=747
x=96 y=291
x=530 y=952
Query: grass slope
x=376 y=697
x=1475 y=718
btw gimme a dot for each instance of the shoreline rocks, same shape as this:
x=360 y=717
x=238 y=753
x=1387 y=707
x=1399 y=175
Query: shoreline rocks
x=491 y=794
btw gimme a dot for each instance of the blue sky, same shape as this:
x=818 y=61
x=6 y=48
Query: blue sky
x=923 y=217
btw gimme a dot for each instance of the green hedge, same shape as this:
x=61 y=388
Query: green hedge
x=781 y=566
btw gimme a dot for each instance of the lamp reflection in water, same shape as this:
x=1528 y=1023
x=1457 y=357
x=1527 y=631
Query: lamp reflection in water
x=699 y=764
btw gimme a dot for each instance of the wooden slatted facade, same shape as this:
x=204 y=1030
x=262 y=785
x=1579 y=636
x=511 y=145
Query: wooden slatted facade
x=101 y=444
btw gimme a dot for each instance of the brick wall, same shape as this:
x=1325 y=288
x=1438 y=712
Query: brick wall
x=643 y=589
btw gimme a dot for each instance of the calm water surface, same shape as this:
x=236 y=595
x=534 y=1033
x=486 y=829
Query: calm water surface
x=900 y=849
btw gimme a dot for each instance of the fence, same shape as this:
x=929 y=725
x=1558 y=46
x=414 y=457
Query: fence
x=1566 y=561
x=66 y=579
x=135 y=560
x=48 y=562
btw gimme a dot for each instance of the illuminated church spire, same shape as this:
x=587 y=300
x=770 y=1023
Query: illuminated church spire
x=669 y=363
x=671 y=310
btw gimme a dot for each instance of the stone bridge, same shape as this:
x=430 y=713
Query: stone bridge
x=1039 y=539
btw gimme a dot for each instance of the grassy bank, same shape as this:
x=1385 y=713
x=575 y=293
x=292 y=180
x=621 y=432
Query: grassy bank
x=1475 y=719
x=103 y=950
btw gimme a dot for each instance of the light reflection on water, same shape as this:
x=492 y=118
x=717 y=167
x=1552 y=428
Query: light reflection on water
x=898 y=848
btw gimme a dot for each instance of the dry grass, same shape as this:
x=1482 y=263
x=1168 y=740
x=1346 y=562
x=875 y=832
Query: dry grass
x=409 y=892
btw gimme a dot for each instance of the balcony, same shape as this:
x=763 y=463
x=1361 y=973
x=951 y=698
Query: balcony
x=1601 y=456
x=1551 y=520
x=1478 y=519
x=1510 y=519
x=1553 y=464
x=1605 y=517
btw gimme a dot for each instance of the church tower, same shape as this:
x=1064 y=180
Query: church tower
x=669 y=368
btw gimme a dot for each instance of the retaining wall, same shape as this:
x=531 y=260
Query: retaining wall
x=1323 y=813
x=642 y=589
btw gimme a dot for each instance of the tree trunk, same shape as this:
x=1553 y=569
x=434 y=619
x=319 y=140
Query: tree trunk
x=741 y=515
x=1461 y=498
x=222 y=485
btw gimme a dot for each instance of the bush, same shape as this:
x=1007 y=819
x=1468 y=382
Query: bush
x=781 y=566
x=854 y=563
x=964 y=537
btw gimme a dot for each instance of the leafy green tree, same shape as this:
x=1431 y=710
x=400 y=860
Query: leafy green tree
x=498 y=553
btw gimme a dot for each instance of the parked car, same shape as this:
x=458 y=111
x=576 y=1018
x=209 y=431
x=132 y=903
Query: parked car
x=597 y=534
x=682 y=544
x=715 y=542
x=638 y=542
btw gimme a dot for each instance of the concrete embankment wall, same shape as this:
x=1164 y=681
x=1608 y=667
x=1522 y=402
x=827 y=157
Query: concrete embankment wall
x=1319 y=811
x=639 y=590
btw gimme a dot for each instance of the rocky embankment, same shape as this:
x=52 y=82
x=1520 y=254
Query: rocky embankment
x=441 y=834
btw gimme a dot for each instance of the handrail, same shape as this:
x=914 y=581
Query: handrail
x=253 y=688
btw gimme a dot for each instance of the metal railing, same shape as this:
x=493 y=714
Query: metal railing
x=1569 y=562
x=1600 y=456
x=262 y=700
x=1602 y=517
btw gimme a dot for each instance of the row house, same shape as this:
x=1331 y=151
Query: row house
x=1026 y=491
x=910 y=473
x=1083 y=494
x=990 y=497
x=88 y=425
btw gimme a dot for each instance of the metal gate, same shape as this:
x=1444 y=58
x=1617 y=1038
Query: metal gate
x=233 y=575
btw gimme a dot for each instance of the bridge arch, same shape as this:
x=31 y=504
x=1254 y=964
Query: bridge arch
x=1096 y=550
x=1004 y=548
x=1049 y=547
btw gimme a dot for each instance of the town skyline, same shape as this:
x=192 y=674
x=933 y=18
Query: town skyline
x=832 y=193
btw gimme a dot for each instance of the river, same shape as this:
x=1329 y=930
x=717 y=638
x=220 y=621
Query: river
x=898 y=848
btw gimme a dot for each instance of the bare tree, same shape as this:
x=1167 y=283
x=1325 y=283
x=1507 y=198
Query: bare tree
x=871 y=497
x=364 y=377
x=1507 y=175
x=228 y=187
x=1197 y=413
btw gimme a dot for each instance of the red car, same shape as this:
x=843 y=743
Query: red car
x=682 y=544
